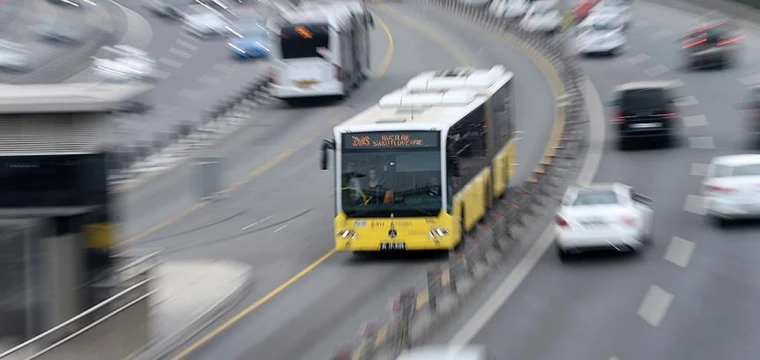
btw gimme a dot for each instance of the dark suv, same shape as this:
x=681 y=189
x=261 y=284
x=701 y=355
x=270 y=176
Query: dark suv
x=714 y=45
x=645 y=111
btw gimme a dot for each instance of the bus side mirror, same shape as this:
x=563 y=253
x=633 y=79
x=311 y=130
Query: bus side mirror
x=326 y=145
x=454 y=166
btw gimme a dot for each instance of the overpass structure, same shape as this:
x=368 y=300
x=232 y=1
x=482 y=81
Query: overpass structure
x=57 y=231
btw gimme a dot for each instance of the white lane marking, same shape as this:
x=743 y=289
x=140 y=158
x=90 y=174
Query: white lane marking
x=186 y=44
x=614 y=358
x=280 y=228
x=679 y=251
x=170 y=62
x=662 y=34
x=505 y=290
x=188 y=36
x=702 y=142
x=223 y=68
x=695 y=120
x=656 y=70
x=677 y=83
x=209 y=80
x=699 y=169
x=750 y=80
x=694 y=204
x=162 y=74
x=687 y=101
x=256 y=223
x=638 y=59
x=180 y=53
x=189 y=94
x=655 y=305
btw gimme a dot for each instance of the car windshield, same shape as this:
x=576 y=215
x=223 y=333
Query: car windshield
x=644 y=99
x=742 y=170
x=601 y=26
x=403 y=180
x=591 y=198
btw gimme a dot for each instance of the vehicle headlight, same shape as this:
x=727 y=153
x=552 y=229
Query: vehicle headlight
x=438 y=232
x=346 y=234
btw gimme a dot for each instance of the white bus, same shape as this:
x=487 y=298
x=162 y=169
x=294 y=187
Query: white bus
x=418 y=170
x=322 y=51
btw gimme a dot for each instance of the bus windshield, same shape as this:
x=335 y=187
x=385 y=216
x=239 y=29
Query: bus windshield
x=399 y=180
x=303 y=41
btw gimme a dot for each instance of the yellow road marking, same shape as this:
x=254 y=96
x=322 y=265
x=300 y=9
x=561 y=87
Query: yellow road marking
x=445 y=276
x=252 y=307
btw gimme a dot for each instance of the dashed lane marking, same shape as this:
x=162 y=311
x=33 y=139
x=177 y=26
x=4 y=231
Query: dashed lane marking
x=694 y=120
x=655 y=305
x=679 y=251
x=687 y=101
x=656 y=70
x=223 y=68
x=694 y=204
x=209 y=80
x=181 y=53
x=638 y=59
x=170 y=62
x=186 y=44
x=699 y=169
x=702 y=142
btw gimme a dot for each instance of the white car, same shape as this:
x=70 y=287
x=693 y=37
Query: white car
x=600 y=35
x=731 y=189
x=122 y=63
x=203 y=21
x=13 y=56
x=509 y=9
x=603 y=217
x=443 y=352
x=542 y=16
x=621 y=9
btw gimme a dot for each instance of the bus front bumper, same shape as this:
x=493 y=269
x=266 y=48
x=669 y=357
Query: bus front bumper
x=278 y=91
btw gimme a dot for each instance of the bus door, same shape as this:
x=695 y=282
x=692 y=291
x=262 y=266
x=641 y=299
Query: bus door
x=306 y=54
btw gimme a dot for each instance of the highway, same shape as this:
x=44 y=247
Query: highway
x=693 y=294
x=194 y=74
x=278 y=218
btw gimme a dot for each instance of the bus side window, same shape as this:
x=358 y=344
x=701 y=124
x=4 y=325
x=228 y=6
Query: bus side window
x=467 y=141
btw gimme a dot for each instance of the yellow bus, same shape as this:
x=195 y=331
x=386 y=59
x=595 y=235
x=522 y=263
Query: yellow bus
x=420 y=169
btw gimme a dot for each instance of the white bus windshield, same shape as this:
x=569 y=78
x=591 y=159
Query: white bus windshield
x=303 y=40
x=391 y=173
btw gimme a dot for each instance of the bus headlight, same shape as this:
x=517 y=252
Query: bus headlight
x=438 y=233
x=346 y=234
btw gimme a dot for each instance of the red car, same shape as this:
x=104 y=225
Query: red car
x=583 y=9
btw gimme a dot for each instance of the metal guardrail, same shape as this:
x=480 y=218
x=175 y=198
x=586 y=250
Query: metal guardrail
x=54 y=336
x=510 y=222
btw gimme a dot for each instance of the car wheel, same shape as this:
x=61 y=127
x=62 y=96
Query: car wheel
x=562 y=254
x=623 y=144
x=721 y=222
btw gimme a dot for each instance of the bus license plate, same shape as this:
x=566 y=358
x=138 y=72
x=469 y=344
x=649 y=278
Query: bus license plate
x=393 y=246
x=306 y=83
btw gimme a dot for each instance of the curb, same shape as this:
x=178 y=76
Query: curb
x=414 y=313
x=162 y=348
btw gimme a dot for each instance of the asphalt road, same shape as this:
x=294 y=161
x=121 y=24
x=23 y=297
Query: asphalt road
x=280 y=220
x=194 y=74
x=693 y=294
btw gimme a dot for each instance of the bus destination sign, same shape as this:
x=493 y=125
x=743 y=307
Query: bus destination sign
x=382 y=140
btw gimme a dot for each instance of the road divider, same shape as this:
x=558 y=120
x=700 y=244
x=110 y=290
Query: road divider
x=511 y=223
